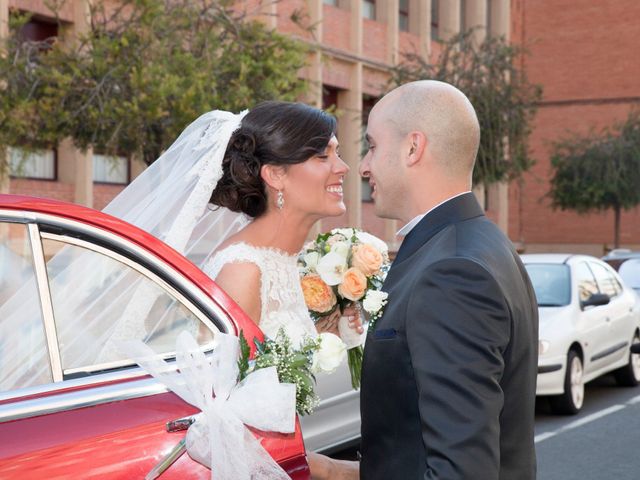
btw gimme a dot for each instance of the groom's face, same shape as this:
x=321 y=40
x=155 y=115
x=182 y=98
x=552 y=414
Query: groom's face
x=382 y=166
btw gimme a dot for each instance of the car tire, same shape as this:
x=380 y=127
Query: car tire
x=570 y=402
x=629 y=375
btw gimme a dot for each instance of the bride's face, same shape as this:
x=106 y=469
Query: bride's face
x=314 y=187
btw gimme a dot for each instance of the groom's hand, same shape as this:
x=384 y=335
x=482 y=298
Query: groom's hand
x=325 y=468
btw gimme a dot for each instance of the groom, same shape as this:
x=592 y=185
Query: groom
x=449 y=373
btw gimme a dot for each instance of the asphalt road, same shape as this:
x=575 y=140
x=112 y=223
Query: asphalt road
x=602 y=442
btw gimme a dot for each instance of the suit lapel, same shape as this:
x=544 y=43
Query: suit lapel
x=452 y=211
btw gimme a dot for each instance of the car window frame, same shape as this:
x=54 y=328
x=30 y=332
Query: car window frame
x=29 y=401
x=577 y=284
x=612 y=273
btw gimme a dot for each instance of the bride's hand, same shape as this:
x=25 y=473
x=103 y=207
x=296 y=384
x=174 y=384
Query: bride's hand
x=329 y=323
x=353 y=314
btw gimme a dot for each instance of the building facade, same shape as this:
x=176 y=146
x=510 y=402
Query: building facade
x=588 y=76
x=585 y=55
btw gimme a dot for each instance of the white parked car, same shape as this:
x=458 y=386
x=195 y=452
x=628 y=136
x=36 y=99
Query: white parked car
x=588 y=320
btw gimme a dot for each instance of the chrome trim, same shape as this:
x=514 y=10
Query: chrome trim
x=79 y=399
x=80 y=382
x=16 y=216
x=45 y=302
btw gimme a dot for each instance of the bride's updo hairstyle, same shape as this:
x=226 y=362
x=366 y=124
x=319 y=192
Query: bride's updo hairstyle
x=272 y=133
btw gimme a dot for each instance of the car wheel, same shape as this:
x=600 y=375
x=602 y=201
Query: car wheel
x=570 y=402
x=629 y=375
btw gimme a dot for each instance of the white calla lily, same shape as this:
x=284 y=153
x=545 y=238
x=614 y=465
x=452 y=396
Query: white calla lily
x=331 y=268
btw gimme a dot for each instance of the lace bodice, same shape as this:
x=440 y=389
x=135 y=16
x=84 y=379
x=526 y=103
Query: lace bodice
x=281 y=296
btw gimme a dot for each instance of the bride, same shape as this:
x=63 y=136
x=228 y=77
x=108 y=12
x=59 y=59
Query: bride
x=269 y=175
x=283 y=169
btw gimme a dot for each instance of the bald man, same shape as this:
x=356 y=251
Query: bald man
x=449 y=373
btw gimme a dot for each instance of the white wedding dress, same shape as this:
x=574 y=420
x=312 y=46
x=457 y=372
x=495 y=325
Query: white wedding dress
x=281 y=299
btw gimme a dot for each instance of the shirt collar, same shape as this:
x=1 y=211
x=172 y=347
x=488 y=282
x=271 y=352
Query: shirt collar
x=404 y=231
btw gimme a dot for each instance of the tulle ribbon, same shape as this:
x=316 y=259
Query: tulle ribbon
x=219 y=438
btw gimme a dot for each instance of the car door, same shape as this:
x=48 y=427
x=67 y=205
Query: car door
x=619 y=313
x=592 y=327
x=71 y=403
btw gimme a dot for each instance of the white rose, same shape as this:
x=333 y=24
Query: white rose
x=334 y=238
x=346 y=232
x=331 y=354
x=374 y=300
x=311 y=260
x=331 y=268
x=372 y=240
x=342 y=249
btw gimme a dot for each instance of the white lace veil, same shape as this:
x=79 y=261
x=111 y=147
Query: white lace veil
x=170 y=198
x=97 y=302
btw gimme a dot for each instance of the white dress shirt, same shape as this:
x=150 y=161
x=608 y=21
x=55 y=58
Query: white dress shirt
x=404 y=231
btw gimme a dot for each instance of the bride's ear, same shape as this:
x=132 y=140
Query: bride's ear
x=273 y=176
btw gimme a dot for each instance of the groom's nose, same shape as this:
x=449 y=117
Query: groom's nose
x=363 y=168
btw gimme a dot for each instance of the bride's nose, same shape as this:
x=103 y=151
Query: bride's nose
x=340 y=166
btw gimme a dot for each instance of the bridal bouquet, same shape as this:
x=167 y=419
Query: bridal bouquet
x=339 y=268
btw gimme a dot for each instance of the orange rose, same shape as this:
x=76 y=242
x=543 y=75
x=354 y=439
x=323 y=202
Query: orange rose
x=354 y=284
x=367 y=259
x=318 y=296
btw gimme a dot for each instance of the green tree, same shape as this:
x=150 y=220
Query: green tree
x=599 y=171
x=503 y=98
x=143 y=71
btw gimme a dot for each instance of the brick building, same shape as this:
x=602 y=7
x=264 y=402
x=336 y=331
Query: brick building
x=585 y=54
x=587 y=74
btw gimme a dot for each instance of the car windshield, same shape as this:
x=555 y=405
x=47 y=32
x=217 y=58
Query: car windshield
x=630 y=272
x=551 y=284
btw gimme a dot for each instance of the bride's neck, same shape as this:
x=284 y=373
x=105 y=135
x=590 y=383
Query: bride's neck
x=278 y=230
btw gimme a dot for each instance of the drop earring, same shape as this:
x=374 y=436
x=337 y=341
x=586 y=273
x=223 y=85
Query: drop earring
x=280 y=200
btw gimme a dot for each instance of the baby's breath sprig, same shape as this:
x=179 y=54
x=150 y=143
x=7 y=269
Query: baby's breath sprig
x=292 y=364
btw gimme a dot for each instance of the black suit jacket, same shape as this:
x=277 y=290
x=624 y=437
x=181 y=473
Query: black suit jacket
x=449 y=371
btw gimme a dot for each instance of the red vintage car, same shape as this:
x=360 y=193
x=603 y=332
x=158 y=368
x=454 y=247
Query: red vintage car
x=68 y=409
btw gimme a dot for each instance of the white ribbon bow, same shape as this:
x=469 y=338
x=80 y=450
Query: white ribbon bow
x=219 y=438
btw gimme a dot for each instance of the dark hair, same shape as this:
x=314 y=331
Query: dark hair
x=272 y=133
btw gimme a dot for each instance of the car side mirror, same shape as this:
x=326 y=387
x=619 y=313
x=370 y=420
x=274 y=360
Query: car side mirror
x=595 y=300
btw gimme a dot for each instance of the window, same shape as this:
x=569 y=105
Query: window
x=329 y=98
x=403 y=15
x=37 y=30
x=488 y=17
x=23 y=347
x=463 y=16
x=115 y=301
x=110 y=169
x=435 y=19
x=367 y=105
x=607 y=283
x=331 y=2
x=39 y=164
x=369 y=9
x=551 y=282
x=586 y=282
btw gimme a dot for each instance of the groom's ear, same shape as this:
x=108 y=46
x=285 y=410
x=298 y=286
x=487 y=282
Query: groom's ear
x=273 y=176
x=417 y=142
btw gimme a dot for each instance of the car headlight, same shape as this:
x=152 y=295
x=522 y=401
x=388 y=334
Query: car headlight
x=543 y=347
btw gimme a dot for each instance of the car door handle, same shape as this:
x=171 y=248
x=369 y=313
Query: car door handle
x=607 y=319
